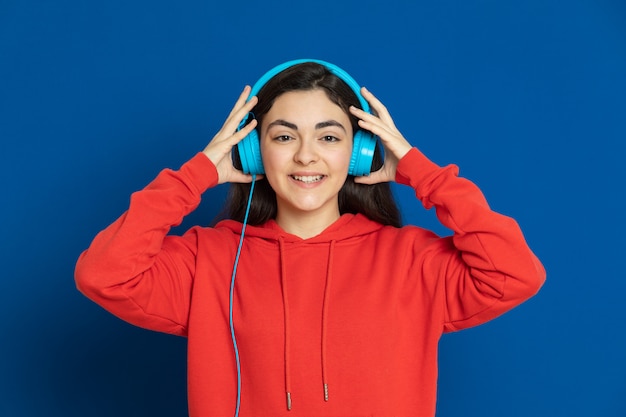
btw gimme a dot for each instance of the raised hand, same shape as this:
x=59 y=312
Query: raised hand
x=220 y=147
x=395 y=145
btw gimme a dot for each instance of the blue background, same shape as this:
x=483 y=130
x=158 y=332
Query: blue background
x=528 y=98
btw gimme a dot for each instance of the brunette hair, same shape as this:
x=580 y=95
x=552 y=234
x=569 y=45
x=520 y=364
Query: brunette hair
x=374 y=201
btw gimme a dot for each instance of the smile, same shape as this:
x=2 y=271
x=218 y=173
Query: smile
x=308 y=179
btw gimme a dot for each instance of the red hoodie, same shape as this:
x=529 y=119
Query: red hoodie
x=347 y=322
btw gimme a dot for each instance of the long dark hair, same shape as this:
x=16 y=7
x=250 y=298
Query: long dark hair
x=374 y=201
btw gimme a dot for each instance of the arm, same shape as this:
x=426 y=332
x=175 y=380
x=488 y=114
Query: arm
x=486 y=267
x=132 y=268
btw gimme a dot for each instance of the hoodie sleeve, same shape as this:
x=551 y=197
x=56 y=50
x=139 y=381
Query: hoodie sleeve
x=132 y=269
x=488 y=268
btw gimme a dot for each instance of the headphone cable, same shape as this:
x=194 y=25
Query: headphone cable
x=232 y=292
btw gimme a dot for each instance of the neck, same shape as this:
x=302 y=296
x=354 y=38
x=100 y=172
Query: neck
x=305 y=225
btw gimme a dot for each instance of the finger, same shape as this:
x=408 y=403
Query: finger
x=377 y=105
x=387 y=132
x=372 y=120
x=240 y=100
x=240 y=177
x=375 y=177
x=223 y=143
x=236 y=136
x=378 y=129
x=238 y=115
x=245 y=131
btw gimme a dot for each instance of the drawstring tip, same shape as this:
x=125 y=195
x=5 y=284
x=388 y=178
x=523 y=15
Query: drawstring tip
x=325 y=392
x=288 y=401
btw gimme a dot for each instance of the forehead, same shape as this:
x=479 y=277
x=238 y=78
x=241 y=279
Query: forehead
x=305 y=105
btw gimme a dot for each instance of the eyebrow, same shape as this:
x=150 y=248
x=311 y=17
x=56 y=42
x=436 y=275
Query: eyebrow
x=320 y=125
x=281 y=122
x=329 y=123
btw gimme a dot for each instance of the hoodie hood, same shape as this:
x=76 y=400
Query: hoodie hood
x=348 y=226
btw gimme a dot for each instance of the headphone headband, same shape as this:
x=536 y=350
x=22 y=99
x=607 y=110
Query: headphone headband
x=334 y=69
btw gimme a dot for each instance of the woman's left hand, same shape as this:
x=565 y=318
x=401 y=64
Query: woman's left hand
x=396 y=146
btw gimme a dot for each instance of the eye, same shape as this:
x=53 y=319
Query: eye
x=282 y=138
x=329 y=138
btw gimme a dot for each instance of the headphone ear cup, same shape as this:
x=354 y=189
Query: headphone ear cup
x=250 y=154
x=364 y=144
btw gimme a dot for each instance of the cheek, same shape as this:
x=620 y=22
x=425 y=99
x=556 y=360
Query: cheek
x=270 y=156
x=273 y=161
x=342 y=159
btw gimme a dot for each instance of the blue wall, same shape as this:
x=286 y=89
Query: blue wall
x=528 y=98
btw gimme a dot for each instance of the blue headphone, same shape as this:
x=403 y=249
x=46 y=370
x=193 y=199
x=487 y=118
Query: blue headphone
x=364 y=143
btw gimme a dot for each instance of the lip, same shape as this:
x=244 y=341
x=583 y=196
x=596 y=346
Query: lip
x=307 y=179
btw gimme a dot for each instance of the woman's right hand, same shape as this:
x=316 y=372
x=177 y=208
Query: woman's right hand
x=220 y=148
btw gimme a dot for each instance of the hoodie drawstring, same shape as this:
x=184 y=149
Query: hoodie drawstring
x=329 y=274
x=287 y=323
x=283 y=281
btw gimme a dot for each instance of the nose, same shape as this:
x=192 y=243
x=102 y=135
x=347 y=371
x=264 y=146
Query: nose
x=306 y=153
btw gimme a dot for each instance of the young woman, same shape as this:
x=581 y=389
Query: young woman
x=336 y=309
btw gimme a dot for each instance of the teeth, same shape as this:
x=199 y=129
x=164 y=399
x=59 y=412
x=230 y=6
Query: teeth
x=308 y=178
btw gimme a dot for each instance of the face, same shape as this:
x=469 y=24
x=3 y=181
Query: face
x=306 y=144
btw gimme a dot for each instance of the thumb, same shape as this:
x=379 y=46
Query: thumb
x=375 y=177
